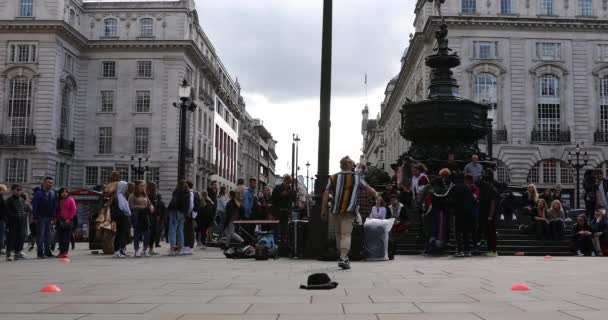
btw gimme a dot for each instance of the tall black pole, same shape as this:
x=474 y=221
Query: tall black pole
x=181 y=162
x=578 y=180
x=325 y=106
x=297 y=156
x=293 y=160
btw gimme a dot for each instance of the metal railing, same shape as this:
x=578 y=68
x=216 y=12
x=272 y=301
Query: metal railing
x=551 y=136
x=17 y=140
x=600 y=137
x=65 y=145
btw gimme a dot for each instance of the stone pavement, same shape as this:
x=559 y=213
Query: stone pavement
x=207 y=286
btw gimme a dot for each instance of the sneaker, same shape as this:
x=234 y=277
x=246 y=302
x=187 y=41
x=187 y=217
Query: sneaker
x=9 y=258
x=2 y=252
x=146 y=254
x=19 y=256
x=344 y=263
x=125 y=253
x=459 y=255
x=40 y=256
x=593 y=254
x=580 y=254
x=30 y=249
x=203 y=247
x=49 y=255
x=152 y=253
x=467 y=254
x=158 y=246
x=137 y=254
x=491 y=254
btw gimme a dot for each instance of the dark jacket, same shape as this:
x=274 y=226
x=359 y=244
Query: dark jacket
x=213 y=196
x=462 y=201
x=283 y=202
x=15 y=208
x=180 y=201
x=601 y=226
x=44 y=204
x=2 y=209
x=232 y=211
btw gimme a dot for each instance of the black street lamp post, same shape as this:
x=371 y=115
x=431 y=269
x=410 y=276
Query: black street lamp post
x=186 y=104
x=577 y=165
x=139 y=170
x=307 y=176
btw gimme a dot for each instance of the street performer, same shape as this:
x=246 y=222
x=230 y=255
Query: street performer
x=344 y=187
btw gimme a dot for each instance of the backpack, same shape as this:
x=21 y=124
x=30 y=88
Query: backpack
x=180 y=201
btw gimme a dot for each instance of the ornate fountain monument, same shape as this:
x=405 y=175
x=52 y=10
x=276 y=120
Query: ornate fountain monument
x=444 y=123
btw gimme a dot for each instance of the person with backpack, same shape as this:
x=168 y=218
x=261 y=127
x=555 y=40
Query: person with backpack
x=120 y=213
x=232 y=214
x=16 y=217
x=181 y=205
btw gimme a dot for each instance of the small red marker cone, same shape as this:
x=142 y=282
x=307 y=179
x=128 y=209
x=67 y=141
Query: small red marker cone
x=64 y=260
x=520 y=287
x=519 y=254
x=50 y=288
x=548 y=257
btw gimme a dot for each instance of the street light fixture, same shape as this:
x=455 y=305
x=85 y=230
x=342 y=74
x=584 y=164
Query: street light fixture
x=139 y=171
x=577 y=165
x=186 y=104
x=307 y=175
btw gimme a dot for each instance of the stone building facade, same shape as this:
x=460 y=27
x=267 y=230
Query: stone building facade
x=541 y=65
x=258 y=154
x=86 y=86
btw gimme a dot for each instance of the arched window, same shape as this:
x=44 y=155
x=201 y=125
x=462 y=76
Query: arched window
x=110 y=27
x=503 y=174
x=548 y=108
x=551 y=172
x=485 y=92
x=602 y=130
x=66 y=107
x=20 y=106
x=146 y=27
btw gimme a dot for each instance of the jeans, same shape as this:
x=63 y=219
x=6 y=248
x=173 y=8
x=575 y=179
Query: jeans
x=220 y=219
x=176 y=229
x=154 y=232
x=189 y=232
x=463 y=233
x=43 y=236
x=2 y=234
x=122 y=232
x=64 y=235
x=16 y=235
x=141 y=230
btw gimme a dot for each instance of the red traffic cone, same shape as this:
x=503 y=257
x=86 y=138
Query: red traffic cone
x=50 y=288
x=548 y=257
x=519 y=254
x=520 y=287
x=65 y=260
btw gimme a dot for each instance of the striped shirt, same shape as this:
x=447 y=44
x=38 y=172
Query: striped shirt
x=344 y=187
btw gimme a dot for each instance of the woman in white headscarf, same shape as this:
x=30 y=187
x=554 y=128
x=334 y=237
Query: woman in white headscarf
x=120 y=214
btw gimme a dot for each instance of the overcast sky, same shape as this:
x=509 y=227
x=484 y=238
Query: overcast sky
x=274 y=48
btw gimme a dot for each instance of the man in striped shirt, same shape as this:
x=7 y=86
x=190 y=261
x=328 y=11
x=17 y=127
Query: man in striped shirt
x=344 y=187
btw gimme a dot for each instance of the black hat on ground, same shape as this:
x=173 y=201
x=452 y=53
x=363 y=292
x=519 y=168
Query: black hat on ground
x=319 y=281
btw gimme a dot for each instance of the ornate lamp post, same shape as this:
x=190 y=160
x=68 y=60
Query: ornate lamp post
x=307 y=175
x=577 y=165
x=186 y=104
x=139 y=170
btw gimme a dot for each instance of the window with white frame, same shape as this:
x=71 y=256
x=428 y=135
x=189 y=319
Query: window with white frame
x=110 y=27
x=22 y=53
x=506 y=7
x=551 y=172
x=91 y=176
x=16 y=170
x=154 y=175
x=107 y=101
x=123 y=171
x=146 y=27
x=68 y=63
x=585 y=8
x=144 y=69
x=66 y=103
x=142 y=103
x=108 y=69
x=486 y=49
x=141 y=140
x=549 y=51
x=548 y=103
x=72 y=17
x=485 y=92
x=503 y=173
x=105 y=140
x=546 y=7
x=469 y=6
x=104 y=174
x=603 y=125
x=20 y=106
x=26 y=8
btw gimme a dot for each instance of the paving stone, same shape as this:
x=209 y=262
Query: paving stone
x=27 y=307
x=592 y=304
x=363 y=308
x=132 y=317
x=40 y=316
x=191 y=308
x=467 y=307
x=422 y=298
x=101 y=308
x=262 y=299
x=548 y=306
x=429 y=316
x=293 y=308
x=229 y=317
x=341 y=299
x=588 y=315
x=329 y=317
x=167 y=299
x=535 y=315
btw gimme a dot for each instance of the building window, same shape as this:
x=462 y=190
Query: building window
x=20 y=106
x=603 y=52
x=144 y=69
x=506 y=6
x=141 y=140
x=603 y=125
x=108 y=69
x=72 y=17
x=550 y=171
x=62 y=174
x=154 y=176
x=469 y=6
x=68 y=63
x=146 y=27
x=142 y=101
x=548 y=103
x=66 y=102
x=585 y=7
x=104 y=174
x=110 y=27
x=107 y=101
x=16 y=170
x=546 y=7
x=553 y=172
x=485 y=92
x=123 y=171
x=22 y=53
x=105 y=140
x=91 y=176
x=485 y=49
x=26 y=8
x=549 y=51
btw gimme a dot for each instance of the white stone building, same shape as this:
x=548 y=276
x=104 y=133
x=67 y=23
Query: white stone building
x=88 y=85
x=542 y=65
x=258 y=154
